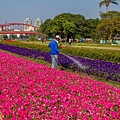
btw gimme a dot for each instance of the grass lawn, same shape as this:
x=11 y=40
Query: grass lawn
x=86 y=45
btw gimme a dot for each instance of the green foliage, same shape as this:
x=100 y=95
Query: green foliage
x=30 y=46
x=89 y=29
x=109 y=14
x=107 y=3
x=69 y=25
x=116 y=107
x=32 y=38
x=107 y=55
x=108 y=28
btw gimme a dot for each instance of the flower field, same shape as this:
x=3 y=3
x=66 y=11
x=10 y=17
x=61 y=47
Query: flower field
x=100 y=68
x=31 y=91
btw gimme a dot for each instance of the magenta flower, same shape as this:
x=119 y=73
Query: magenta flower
x=34 y=91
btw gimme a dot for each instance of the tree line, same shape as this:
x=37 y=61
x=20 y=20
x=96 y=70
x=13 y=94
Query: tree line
x=69 y=25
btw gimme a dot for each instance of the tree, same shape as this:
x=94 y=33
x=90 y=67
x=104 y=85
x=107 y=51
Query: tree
x=109 y=14
x=65 y=24
x=79 y=21
x=44 y=29
x=108 y=29
x=107 y=3
x=89 y=29
x=69 y=29
x=69 y=25
x=103 y=29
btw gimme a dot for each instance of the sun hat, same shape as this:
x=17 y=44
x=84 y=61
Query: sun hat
x=57 y=36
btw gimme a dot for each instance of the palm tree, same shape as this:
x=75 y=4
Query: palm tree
x=107 y=3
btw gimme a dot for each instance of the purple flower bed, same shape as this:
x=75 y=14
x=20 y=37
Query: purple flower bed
x=101 y=68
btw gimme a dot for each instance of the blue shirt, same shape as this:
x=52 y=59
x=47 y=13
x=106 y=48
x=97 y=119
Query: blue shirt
x=54 y=47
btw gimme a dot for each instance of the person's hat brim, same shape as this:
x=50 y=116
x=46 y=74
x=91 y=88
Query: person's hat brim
x=57 y=36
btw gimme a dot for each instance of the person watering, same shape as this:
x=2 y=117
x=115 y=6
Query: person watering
x=54 y=51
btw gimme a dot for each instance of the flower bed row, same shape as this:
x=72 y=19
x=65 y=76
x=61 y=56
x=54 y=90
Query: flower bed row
x=30 y=91
x=101 y=68
x=103 y=54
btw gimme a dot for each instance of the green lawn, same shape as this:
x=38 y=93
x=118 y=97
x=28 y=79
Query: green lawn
x=86 y=45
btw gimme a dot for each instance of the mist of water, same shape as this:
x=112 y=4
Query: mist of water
x=76 y=62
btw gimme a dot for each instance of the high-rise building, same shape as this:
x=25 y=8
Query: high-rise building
x=37 y=22
x=27 y=21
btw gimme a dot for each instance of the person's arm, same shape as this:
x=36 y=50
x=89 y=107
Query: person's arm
x=49 y=44
x=56 y=48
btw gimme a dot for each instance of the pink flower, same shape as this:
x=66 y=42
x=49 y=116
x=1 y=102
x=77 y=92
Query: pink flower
x=32 y=91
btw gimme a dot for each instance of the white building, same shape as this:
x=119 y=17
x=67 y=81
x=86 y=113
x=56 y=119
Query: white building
x=37 y=22
x=27 y=21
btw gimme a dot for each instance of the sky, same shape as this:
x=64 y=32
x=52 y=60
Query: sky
x=19 y=10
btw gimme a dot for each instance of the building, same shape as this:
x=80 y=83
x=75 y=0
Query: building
x=27 y=21
x=37 y=22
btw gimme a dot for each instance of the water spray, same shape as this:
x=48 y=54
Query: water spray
x=76 y=62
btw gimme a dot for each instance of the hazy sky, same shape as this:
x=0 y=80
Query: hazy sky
x=19 y=10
